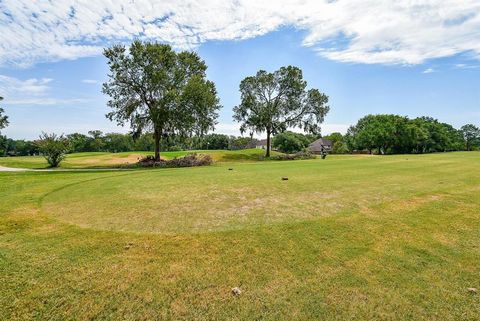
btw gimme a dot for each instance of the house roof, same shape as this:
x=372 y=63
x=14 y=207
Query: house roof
x=261 y=142
x=319 y=143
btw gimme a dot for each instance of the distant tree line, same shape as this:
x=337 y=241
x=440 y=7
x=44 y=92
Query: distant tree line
x=394 y=134
x=389 y=134
x=97 y=141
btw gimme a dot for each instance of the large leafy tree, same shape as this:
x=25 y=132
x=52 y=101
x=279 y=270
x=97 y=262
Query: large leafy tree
x=157 y=89
x=471 y=135
x=385 y=133
x=397 y=134
x=3 y=117
x=290 y=142
x=273 y=102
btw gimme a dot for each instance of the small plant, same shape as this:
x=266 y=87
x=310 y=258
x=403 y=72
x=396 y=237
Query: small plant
x=53 y=148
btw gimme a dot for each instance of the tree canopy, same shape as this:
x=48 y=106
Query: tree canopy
x=157 y=89
x=3 y=117
x=273 y=102
x=471 y=135
x=392 y=134
x=290 y=142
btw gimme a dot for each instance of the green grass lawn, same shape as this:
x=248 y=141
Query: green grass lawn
x=106 y=160
x=346 y=238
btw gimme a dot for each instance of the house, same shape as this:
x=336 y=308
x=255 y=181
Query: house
x=320 y=145
x=262 y=144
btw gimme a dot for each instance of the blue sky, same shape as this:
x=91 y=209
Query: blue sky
x=55 y=85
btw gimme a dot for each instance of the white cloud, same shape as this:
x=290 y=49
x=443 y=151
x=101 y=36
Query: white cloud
x=46 y=101
x=467 y=66
x=32 y=86
x=90 y=81
x=366 y=31
x=428 y=71
x=31 y=91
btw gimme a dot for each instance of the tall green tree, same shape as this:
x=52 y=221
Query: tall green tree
x=273 y=102
x=79 y=142
x=471 y=135
x=3 y=117
x=290 y=142
x=157 y=89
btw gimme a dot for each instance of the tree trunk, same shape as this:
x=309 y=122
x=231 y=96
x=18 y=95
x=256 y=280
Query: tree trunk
x=267 y=154
x=156 y=137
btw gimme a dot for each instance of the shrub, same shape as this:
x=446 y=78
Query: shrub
x=53 y=148
x=289 y=142
x=188 y=160
x=299 y=155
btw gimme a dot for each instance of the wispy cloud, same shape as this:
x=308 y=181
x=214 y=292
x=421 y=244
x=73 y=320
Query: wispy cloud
x=467 y=66
x=428 y=71
x=31 y=91
x=90 y=81
x=32 y=86
x=372 y=31
x=46 y=101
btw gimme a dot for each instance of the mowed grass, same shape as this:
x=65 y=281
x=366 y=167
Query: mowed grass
x=108 y=160
x=349 y=237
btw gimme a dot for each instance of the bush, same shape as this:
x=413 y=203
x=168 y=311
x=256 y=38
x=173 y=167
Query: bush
x=296 y=156
x=53 y=148
x=174 y=148
x=188 y=160
x=289 y=142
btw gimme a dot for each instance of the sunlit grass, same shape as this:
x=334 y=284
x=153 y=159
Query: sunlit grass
x=106 y=160
x=359 y=238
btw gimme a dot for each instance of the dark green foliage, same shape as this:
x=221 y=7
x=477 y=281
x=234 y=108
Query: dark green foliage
x=274 y=102
x=53 y=148
x=3 y=145
x=80 y=143
x=11 y=147
x=471 y=135
x=3 y=117
x=290 y=142
x=210 y=141
x=117 y=143
x=156 y=89
x=339 y=144
x=393 y=134
x=236 y=143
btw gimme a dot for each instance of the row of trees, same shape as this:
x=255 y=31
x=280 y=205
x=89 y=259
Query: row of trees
x=97 y=141
x=392 y=134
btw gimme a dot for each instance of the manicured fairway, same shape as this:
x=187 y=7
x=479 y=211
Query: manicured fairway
x=108 y=160
x=349 y=237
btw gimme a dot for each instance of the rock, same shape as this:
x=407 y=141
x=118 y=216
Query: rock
x=236 y=291
x=284 y=178
x=472 y=290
